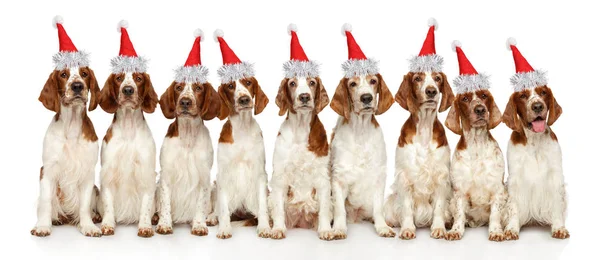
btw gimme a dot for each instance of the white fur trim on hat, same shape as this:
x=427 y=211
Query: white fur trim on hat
x=296 y=68
x=68 y=59
x=433 y=22
x=191 y=74
x=292 y=28
x=527 y=80
x=455 y=44
x=426 y=63
x=233 y=72
x=124 y=64
x=57 y=20
x=122 y=24
x=346 y=28
x=469 y=83
x=199 y=33
x=353 y=68
x=510 y=41
x=218 y=33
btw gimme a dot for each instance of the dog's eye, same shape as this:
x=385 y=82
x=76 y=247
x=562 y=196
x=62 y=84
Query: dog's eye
x=84 y=74
x=465 y=99
x=523 y=96
x=230 y=86
x=352 y=84
x=373 y=82
x=179 y=88
x=119 y=79
x=438 y=79
x=483 y=96
x=138 y=79
x=418 y=79
x=248 y=83
x=63 y=75
x=198 y=88
x=543 y=93
x=292 y=84
x=312 y=83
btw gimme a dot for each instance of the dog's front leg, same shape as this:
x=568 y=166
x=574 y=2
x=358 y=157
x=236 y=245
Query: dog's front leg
x=495 y=222
x=407 y=204
x=440 y=203
x=165 y=222
x=459 y=202
x=324 y=229
x=263 y=229
x=43 y=227
x=86 y=225
x=108 y=217
x=559 y=207
x=381 y=227
x=276 y=199
x=340 y=192
x=513 y=225
x=146 y=213
x=224 y=214
x=199 y=227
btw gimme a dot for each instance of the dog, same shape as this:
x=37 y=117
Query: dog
x=67 y=190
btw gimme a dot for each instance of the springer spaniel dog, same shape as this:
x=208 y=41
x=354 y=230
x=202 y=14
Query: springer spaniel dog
x=128 y=158
x=358 y=157
x=67 y=190
x=536 y=188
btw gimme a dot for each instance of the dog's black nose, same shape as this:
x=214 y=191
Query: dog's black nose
x=304 y=98
x=537 y=107
x=366 y=98
x=431 y=92
x=479 y=110
x=128 y=90
x=77 y=87
x=245 y=100
x=185 y=103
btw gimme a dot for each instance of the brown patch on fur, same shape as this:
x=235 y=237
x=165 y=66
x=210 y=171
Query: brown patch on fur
x=155 y=219
x=41 y=173
x=87 y=129
x=462 y=144
x=341 y=100
x=518 y=138
x=374 y=121
x=173 y=130
x=226 y=133
x=439 y=134
x=554 y=109
x=385 y=100
x=332 y=136
x=108 y=135
x=278 y=133
x=317 y=139
x=553 y=136
x=409 y=130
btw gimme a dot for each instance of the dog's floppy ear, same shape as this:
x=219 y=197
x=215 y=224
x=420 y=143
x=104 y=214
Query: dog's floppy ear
x=212 y=102
x=321 y=97
x=453 y=119
x=495 y=116
x=405 y=95
x=340 y=102
x=150 y=97
x=49 y=95
x=108 y=96
x=225 y=104
x=260 y=99
x=554 y=109
x=94 y=91
x=167 y=102
x=283 y=98
x=510 y=116
x=385 y=100
x=447 y=95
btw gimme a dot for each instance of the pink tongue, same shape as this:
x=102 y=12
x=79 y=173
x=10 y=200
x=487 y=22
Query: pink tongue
x=538 y=126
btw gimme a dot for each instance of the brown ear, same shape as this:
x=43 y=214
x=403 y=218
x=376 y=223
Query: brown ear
x=453 y=120
x=211 y=104
x=340 y=102
x=405 y=96
x=225 y=105
x=554 y=109
x=108 y=97
x=94 y=91
x=510 y=116
x=495 y=116
x=321 y=97
x=49 y=95
x=167 y=102
x=283 y=100
x=447 y=95
x=260 y=99
x=150 y=96
x=385 y=100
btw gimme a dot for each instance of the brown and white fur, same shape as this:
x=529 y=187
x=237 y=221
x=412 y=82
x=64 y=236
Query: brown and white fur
x=241 y=186
x=67 y=191
x=421 y=189
x=186 y=157
x=301 y=186
x=358 y=154
x=536 y=188
x=128 y=158
x=477 y=170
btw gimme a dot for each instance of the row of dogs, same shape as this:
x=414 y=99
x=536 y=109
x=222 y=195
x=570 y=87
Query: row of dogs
x=316 y=183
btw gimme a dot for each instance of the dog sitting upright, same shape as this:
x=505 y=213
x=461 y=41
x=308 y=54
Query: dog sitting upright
x=536 y=188
x=186 y=157
x=241 y=186
x=477 y=171
x=67 y=191
x=421 y=189
x=128 y=158
x=301 y=189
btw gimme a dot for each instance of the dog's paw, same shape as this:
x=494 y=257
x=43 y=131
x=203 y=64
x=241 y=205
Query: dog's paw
x=385 y=231
x=438 y=233
x=224 y=234
x=264 y=232
x=145 y=232
x=97 y=218
x=164 y=229
x=497 y=236
x=511 y=234
x=107 y=230
x=327 y=235
x=212 y=221
x=407 y=234
x=90 y=230
x=41 y=231
x=199 y=231
x=561 y=233
x=278 y=233
x=340 y=234
x=453 y=235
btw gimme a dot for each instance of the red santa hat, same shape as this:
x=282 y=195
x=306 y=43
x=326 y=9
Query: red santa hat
x=357 y=64
x=68 y=56
x=128 y=60
x=526 y=77
x=469 y=79
x=428 y=60
x=193 y=70
x=233 y=68
x=299 y=65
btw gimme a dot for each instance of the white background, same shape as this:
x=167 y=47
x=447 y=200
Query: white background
x=560 y=38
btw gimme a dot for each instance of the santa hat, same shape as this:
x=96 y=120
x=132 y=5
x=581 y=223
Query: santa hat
x=469 y=79
x=357 y=64
x=299 y=65
x=233 y=69
x=428 y=60
x=193 y=70
x=68 y=56
x=526 y=77
x=128 y=60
